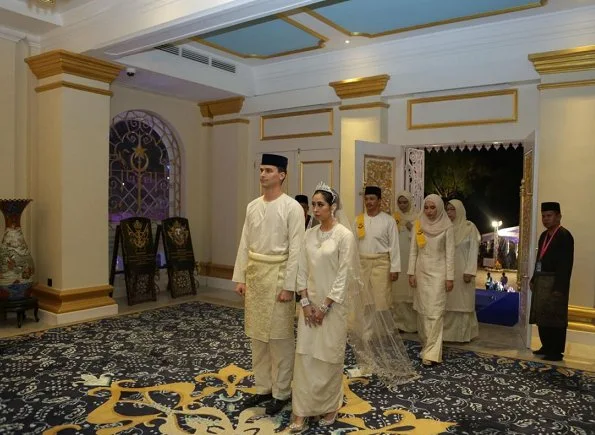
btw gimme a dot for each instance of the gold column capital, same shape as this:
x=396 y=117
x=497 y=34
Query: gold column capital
x=360 y=87
x=57 y=62
x=563 y=61
x=209 y=109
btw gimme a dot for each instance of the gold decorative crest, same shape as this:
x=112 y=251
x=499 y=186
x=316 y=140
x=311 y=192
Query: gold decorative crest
x=178 y=234
x=139 y=236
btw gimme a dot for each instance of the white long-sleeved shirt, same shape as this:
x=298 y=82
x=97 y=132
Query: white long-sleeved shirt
x=272 y=228
x=381 y=236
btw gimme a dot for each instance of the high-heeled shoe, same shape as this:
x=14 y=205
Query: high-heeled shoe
x=296 y=428
x=324 y=422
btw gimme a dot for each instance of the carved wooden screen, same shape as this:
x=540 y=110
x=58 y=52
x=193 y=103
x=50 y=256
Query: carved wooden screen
x=414 y=175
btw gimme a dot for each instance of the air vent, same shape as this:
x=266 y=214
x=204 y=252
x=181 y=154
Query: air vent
x=169 y=48
x=195 y=56
x=216 y=63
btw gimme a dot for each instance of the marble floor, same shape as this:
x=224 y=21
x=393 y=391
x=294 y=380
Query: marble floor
x=493 y=339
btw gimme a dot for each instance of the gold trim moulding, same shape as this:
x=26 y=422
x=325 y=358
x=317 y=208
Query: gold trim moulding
x=71 y=85
x=64 y=62
x=226 y=106
x=343 y=30
x=561 y=61
x=578 y=326
x=313 y=162
x=230 y=121
x=67 y=301
x=216 y=270
x=456 y=97
x=570 y=84
x=581 y=318
x=321 y=43
x=329 y=132
x=379 y=105
x=360 y=87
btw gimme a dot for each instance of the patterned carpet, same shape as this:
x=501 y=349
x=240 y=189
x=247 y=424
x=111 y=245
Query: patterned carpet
x=185 y=370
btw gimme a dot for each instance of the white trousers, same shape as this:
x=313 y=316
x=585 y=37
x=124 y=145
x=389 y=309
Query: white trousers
x=272 y=363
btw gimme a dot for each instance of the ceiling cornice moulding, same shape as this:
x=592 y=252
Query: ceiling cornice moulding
x=227 y=106
x=563 y=61
x=12 y=34
x=360 y=87
x=57 y=62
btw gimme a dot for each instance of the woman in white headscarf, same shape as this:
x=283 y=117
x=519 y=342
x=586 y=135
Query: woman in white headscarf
x=405 y=216
x=460 y=320
x=431 y=274
x=334 y=302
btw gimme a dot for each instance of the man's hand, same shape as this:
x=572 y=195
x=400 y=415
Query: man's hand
x=409 y=225
x=285 y=296
x=449 y=285
x=412 y=281
x=240 y=288
x=394 y=276
x=467 y=278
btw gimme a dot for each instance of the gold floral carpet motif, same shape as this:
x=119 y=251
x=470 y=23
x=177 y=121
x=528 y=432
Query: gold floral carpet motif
x=185 y=370
x=187 y=415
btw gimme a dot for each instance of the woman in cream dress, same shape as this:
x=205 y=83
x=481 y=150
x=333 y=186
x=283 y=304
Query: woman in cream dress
x=324 y=274
x=460 y=320
x=405 y=216
x=431 y=274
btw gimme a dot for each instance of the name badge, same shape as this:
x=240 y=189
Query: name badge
x=538 y=266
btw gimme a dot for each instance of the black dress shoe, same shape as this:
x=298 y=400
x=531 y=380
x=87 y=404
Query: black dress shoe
x=557 y=357
x=539 y=352
x=256 y=400
x=275 y=405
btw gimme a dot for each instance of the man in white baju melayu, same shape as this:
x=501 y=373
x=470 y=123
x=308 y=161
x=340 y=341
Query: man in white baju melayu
x=378 y=245
x=431 y=274
x=405 y=216
x=460 y=319
x=265 y=272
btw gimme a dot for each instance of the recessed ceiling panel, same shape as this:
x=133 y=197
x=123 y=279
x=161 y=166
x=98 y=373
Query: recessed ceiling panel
x=375 y=18
x=263 y=39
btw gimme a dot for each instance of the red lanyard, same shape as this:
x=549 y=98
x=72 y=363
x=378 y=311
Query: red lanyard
x=546 y=243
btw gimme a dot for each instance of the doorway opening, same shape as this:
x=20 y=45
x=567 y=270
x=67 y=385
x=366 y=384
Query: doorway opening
x=487 y=180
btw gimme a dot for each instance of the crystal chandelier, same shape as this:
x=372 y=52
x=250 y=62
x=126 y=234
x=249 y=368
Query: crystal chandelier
x=47 y=2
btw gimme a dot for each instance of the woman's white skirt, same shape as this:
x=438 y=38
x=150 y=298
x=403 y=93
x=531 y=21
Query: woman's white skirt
x=317 y=386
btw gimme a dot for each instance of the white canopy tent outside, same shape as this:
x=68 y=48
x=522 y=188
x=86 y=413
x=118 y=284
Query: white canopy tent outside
x=510 y=234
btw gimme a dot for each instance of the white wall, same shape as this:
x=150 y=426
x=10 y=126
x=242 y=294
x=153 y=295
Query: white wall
x=8 y=117
x=528 y=103
x=17 y=112
x=566 y=174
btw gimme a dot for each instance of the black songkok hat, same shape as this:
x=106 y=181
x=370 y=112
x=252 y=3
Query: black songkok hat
x=274 y=160
x=373 y=190
x=550 y=206
x=302 y=199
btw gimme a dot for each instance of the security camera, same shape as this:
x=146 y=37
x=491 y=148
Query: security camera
x=130 y=72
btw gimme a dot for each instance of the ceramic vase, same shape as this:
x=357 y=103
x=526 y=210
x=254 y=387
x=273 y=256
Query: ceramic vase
x=16 y=263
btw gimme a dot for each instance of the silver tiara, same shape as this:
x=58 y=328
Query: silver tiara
x=326 y=188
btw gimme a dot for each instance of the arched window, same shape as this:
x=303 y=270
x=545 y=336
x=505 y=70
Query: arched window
x=144 y=168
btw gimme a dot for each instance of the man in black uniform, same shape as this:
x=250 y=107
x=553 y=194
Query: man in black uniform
x=550 y=283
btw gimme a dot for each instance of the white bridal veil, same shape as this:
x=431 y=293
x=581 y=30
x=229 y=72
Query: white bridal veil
x=373 y=335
